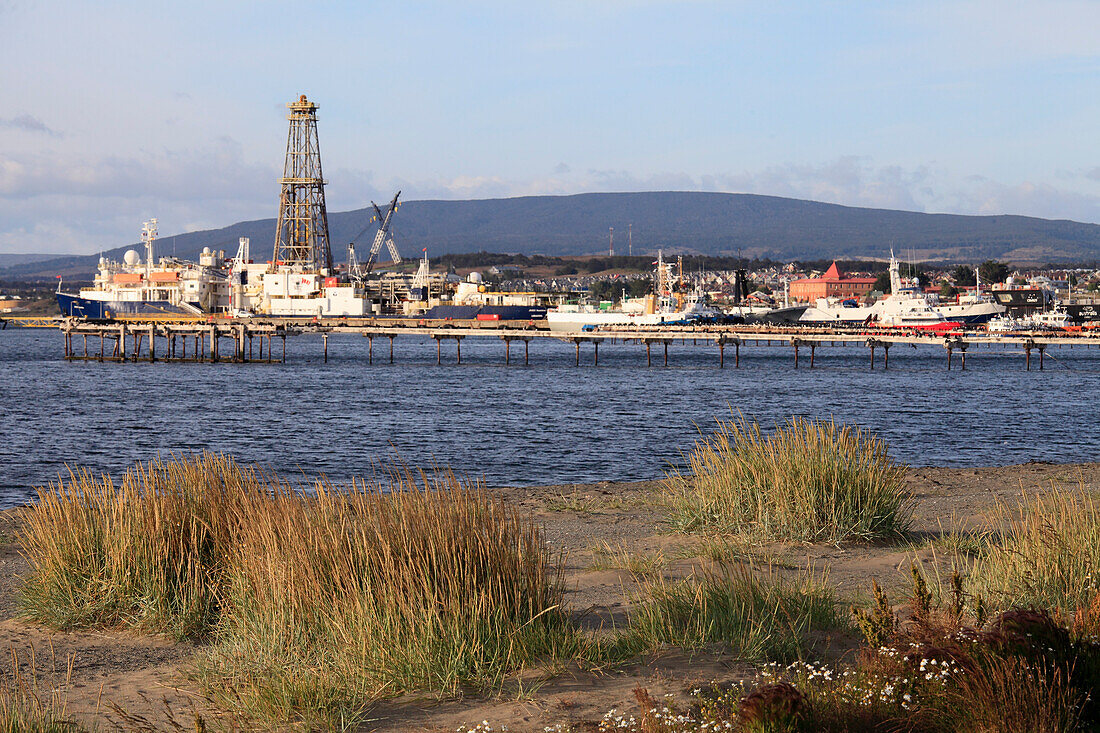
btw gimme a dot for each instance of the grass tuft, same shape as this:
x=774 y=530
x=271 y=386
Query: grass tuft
x=808 y=481
x=1048 y=556
x=757 y=616
x=316 y=603
x=640 y=562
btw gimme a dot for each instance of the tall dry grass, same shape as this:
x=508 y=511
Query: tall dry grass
x=1046 y=556
x=809 y=480
x=317 y=602
x=146 y=552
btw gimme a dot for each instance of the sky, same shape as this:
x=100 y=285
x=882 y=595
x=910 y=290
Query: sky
x=115 y=112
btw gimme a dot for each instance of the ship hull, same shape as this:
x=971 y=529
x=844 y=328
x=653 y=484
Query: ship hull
x=80 y=307
x=495 y=312
x=1083 y=312
x=789 y=315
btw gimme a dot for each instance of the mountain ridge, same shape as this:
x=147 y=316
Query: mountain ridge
x=751 y=225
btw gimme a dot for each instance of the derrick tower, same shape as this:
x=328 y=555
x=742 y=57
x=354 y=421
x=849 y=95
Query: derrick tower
x=301 y=235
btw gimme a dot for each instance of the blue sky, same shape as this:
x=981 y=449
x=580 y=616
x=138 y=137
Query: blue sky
x=114 y=112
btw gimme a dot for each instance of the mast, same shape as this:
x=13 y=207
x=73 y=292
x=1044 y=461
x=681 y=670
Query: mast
x=895 y=276
x=148 y=235
x=301 y=235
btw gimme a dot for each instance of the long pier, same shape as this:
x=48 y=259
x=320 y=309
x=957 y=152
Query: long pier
x=264 y=339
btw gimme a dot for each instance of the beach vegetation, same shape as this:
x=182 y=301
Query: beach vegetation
x=937 y=671
x=314 y=602
x=636 y=562
x=1046 y=554
x=808 y=480
x=750 y=613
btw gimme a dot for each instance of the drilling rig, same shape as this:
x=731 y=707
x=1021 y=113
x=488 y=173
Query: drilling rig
x=301 y=235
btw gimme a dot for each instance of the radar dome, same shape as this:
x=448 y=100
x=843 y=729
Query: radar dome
x=1010 y=281
x=131 y=257
x=206 y=250
x=102 y=261
x=474 y=277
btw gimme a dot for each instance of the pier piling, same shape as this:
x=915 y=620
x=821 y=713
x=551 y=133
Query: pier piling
x=241 y=331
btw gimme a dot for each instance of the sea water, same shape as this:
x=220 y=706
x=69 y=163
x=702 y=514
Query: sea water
x=551 y=422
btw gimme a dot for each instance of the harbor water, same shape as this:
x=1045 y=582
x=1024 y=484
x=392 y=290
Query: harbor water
x=548 y=423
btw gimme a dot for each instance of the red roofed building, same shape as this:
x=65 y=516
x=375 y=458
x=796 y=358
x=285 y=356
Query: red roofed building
x=832 y=284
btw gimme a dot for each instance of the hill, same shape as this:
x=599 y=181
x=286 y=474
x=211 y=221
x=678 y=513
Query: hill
x=18 y=258
x=678 y=222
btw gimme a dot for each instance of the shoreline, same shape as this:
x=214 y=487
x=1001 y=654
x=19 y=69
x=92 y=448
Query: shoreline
x=613 y=535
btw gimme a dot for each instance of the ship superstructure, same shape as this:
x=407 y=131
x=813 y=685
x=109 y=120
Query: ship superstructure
x=146 y=286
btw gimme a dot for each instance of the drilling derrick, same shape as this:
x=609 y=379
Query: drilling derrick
x=301 y=236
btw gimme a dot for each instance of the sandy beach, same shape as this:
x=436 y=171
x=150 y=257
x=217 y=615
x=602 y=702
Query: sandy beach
x=612 y=534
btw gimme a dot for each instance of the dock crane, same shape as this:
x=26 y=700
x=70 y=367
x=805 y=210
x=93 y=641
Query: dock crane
x=360 y=271
x=383 y=235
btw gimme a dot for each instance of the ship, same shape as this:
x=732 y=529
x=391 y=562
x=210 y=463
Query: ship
x=664 y=307
x=473 y=300
x=906 y=307
x=147 y=287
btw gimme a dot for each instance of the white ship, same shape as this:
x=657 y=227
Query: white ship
x=1052 y=320
x=149 y=287
x=907 y=306
x=663 y=307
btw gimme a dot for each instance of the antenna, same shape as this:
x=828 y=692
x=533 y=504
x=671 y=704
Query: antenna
x=630 y=239
x=611 y=243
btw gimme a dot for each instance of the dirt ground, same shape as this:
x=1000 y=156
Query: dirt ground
x=125 y=681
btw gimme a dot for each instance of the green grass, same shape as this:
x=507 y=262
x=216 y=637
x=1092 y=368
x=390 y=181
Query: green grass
x=1048 y=555
x=753 y=615
x=315 y=604
x=808 y=481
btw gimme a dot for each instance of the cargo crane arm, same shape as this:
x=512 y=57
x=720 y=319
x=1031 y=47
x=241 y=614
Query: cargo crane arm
x=383 y=235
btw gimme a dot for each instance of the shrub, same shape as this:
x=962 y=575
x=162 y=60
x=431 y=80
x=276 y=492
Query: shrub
x=809 y=480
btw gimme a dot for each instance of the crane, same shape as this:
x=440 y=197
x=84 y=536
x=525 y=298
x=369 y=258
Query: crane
x=355 y=272
x=383 y=234
x=359 y=271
